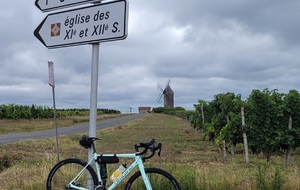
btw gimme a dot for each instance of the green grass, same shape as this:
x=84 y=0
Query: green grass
x=195 y=163
x=23 y=125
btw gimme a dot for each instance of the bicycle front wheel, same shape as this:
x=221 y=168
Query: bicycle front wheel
x=71 y=169
x=159 y=179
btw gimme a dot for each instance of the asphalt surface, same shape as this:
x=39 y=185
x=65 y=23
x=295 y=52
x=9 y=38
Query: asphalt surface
x=78 y=128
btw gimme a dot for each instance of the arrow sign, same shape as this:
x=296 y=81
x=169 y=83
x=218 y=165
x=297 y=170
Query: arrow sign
x=93 y=24
x=49 y=5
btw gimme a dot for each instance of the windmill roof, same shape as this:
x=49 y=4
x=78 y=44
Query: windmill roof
x=168 y=90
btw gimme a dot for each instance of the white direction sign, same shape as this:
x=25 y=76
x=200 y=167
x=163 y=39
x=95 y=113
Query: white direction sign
x=49 y=5
x=93 y=24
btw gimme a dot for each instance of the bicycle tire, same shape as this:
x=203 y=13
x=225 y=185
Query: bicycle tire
x=159 y=179
x=66 y=170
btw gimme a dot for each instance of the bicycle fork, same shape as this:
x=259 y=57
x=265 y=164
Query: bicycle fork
x=144 y=175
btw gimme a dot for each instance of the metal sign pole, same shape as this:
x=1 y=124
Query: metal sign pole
x=55 y=123
x=93 y=101
x=94 y=93
x=52 y=84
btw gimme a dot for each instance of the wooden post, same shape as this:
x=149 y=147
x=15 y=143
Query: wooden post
x=224 y=149
x=245 y=136
x=224 y=141
x=196 y=130
x=288 y=152
x=202 y=115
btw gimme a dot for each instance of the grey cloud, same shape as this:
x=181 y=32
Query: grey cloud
x=204 y=47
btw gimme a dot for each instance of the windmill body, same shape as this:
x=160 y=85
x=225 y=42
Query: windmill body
x=168 y=94
x=168 y=97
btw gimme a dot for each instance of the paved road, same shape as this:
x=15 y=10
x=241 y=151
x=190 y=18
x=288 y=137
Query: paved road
x=83 y=127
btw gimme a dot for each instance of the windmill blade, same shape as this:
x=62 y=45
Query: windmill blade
x=159 y=98
x=159 y=87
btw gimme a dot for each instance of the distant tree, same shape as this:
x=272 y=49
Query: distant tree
x=264 y=118
x=178 y=108
x=231 y=131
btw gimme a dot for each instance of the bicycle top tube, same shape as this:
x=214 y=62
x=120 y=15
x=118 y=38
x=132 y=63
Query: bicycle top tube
x=141 y=148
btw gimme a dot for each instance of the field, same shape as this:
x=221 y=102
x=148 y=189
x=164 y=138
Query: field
x=26 y=125
x=197 y=164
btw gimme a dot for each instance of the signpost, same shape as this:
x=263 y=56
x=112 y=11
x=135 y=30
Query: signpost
x=52 y=84
x=50 y=5
x=100 y=22
x=86 y=25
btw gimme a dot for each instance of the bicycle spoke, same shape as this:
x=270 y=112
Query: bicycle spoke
x=70 y=171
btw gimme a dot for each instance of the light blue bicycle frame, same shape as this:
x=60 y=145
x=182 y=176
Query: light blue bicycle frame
x=137 y=162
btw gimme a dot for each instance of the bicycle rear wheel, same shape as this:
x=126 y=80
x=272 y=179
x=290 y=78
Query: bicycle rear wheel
x=66 y=170
x=159 y=179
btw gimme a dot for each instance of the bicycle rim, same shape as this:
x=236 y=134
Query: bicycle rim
x=65 y=171
x=159 y=179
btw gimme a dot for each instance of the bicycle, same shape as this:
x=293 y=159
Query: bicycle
x=74 y=173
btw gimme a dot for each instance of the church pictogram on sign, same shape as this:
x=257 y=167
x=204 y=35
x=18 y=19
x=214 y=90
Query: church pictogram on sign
x=55 y=29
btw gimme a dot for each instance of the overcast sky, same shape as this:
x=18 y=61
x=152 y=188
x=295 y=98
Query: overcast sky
x=204 y=47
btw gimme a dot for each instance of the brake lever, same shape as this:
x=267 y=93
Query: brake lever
x=158 y=148
x=159 y=152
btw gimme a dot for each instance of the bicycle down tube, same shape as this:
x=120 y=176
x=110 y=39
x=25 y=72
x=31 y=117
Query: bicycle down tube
x=137 y=163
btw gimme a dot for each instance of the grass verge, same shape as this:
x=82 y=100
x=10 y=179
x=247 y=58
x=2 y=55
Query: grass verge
x=23 y=125
x=195 y=163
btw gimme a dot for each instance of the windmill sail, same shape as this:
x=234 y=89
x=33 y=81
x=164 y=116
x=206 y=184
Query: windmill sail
x=159 y=97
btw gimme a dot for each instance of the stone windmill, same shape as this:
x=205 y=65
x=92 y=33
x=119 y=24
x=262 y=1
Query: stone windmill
x=168 y=95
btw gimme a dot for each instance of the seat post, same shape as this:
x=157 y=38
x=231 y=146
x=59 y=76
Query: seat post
x=93 y=146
